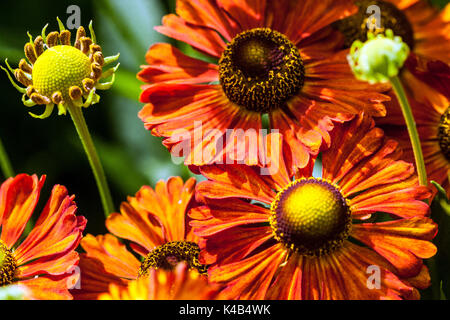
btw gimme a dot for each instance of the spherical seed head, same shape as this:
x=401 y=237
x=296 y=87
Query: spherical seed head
x=378 y=59
x=260 y=70
x=58 y=69
x=310 y=216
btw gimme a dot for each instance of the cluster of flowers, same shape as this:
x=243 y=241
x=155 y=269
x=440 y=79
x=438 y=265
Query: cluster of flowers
x=240 y=234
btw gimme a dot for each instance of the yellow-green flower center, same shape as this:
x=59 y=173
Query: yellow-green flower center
x=170 y=254
x=260 y=70
x=356 y=26
x=444 y=134
x=311 y=217
x=7 y=265
x=58 y=69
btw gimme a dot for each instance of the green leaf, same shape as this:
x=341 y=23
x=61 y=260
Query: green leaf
x=439 y=268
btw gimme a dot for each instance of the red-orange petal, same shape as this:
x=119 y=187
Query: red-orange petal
x=18 y=199
x=167 y=63
x=404 y=243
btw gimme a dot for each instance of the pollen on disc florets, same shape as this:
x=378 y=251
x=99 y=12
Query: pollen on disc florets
x=8 y=265
x=444 y=134
x=358 y=25
x=170 y=254
x=260 y=70
x=310 y=217
x=57 y=73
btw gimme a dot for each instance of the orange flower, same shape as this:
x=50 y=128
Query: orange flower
x=44 y=260
x=154 y=223
x=271 y=237
x=180 y=284
x=275 y=58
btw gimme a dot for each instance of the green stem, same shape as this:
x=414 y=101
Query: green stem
x=80 y=124
x=412 y=130
x=5 y=164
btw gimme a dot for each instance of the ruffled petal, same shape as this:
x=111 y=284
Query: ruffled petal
x=114 y=256
x=234 y=181
x=57 y=231
x=404 y=243
x=249 y=279
x=168 y=64
x=18 y=199
x=203 y=39
x=207 y=13
x=248 y=14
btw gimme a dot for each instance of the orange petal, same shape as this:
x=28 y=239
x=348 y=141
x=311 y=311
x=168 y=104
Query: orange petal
x=113 y=254
x=234 y=181
x=206 y=13
x=203 y=39
x=248 y=14
x=249 y=279
x=402 y=242
x=18 y=199
x=167 y=63
x=56 y=232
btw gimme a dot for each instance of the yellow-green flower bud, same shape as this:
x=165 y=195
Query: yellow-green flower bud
x=379 y=58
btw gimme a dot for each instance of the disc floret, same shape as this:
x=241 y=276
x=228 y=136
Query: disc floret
x=168 y=255
x=310 y=217
x=55 y=72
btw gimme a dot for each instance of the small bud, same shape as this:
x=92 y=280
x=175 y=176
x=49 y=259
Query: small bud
x=64 y=37
x=88 y=85
x=80 y=34
x=39 y=99
x=22 y=78
x=30 y=53
x=39 y=46
x=96 y=71
x=85 y=43
x=378 y=59
x=52 y=39
x=57 y=98
x=75 y=92
x=25 y=67
x=98 y=58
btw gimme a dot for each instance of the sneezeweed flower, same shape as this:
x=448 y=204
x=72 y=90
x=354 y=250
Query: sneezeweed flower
x=278 y=59
x=154 y=223
x=178 y=284
x=302 y=237
x=59 y=73
x=422 y=27
x=42 y=262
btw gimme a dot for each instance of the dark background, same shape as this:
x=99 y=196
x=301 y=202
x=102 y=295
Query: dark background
x=131 y=156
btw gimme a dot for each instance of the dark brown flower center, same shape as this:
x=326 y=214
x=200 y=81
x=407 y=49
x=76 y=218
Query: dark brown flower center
x=170 y=254
x=311 y=217
x=444 y=133
x=261 y=69
x=356 y=26
x=7 y=265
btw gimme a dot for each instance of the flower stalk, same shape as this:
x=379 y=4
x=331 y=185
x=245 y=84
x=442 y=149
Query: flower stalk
x=412 y=129
x=83 y=132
